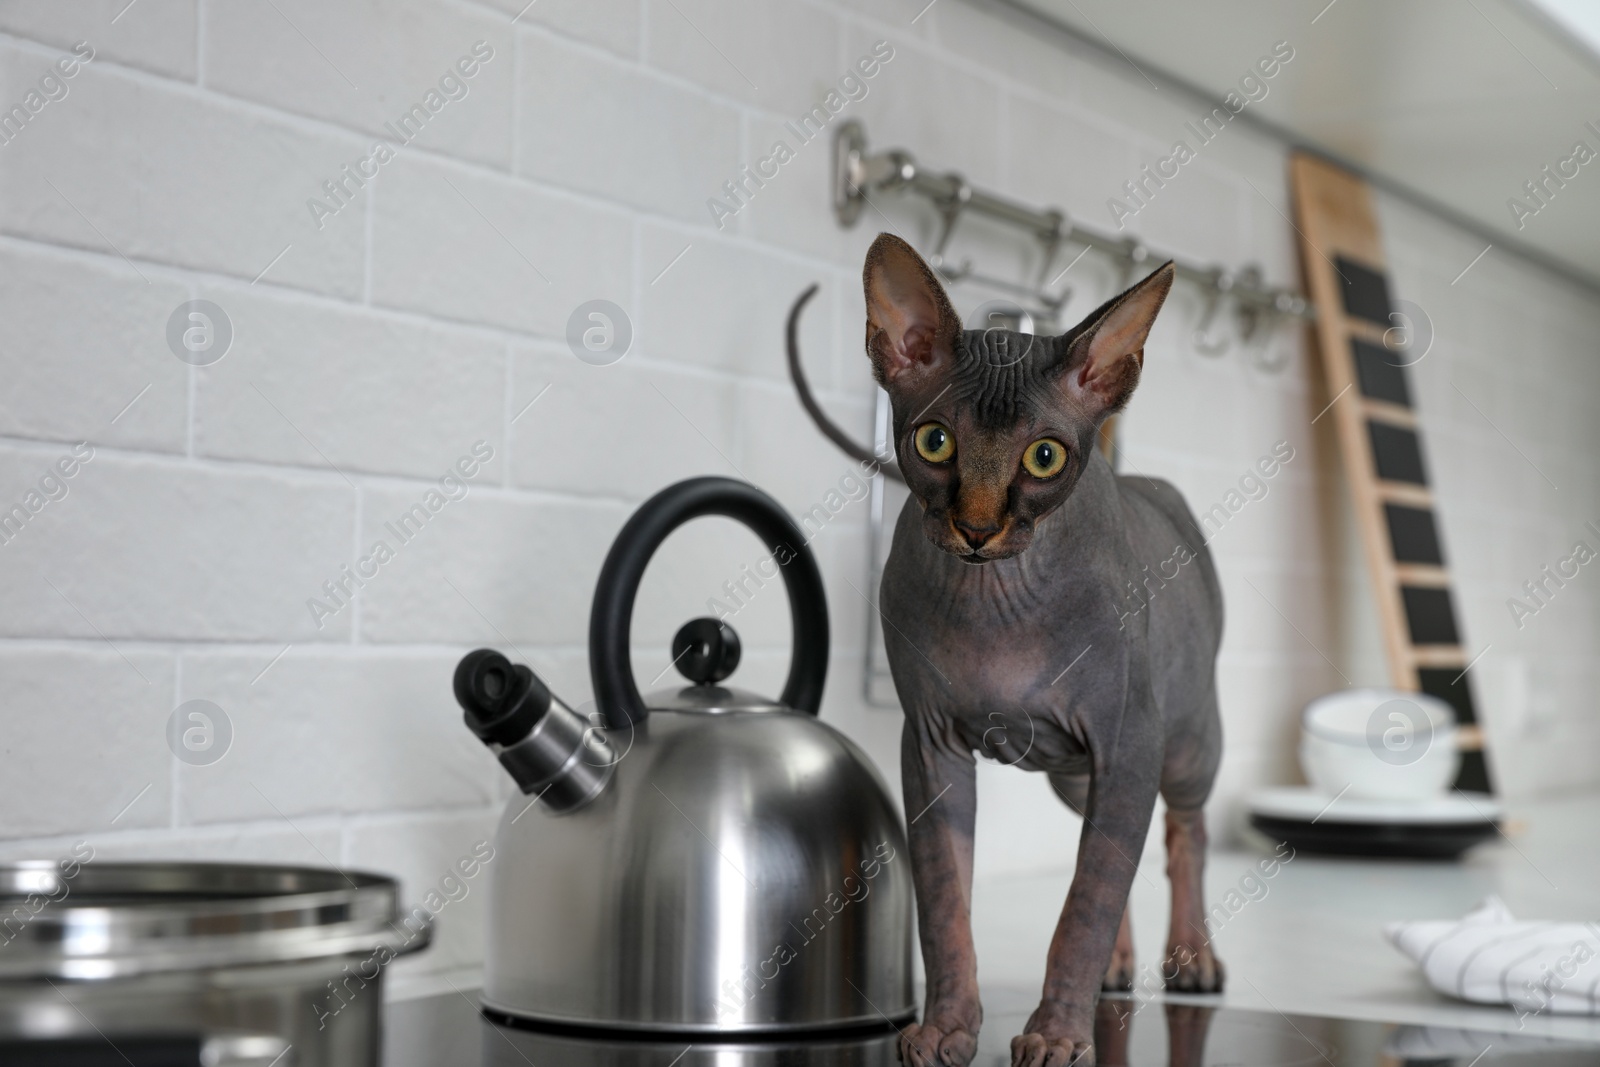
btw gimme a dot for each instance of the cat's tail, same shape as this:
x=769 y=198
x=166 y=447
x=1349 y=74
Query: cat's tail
x=829 y=428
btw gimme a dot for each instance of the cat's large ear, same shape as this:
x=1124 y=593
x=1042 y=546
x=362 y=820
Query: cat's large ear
x=911 y=326
x=1104 y=361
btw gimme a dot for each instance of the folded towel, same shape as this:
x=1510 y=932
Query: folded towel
x=1490 y=958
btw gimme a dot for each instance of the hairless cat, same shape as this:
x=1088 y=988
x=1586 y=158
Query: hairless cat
x=1051 y=614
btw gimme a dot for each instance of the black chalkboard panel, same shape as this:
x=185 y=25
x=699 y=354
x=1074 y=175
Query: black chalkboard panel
x=1380 y=373
x=1430 y=616
x=1474 y=774
x=1412 y=535
x=1397 y=453
x=1452 y=685
x=1366 y=291
x=1449 y=684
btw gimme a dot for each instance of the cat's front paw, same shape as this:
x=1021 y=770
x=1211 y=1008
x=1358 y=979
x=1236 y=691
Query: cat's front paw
x=1193 y=969
x=942 y=1041
x=1036 y=1050
x=1119 y=972
x=1055 y=1037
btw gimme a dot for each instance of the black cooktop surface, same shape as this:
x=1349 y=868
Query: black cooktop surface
x=448 y=1030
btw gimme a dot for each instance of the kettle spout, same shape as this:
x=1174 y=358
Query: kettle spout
x=548 y=748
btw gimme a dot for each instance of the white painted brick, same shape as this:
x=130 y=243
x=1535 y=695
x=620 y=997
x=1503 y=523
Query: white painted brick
x=307 y=844
x=1198 y=215
x=780 y=56
x=1177 y=400
x=1053 y=157
x=1286 y=613
x=612 y=24
x=1114 y=92
x=946 y=117
x=393 y=53
x=83 y=339
x=787 y=455
x=157 y=550
x=328 y=732
x=852 y=367
x=593 y=124
x=579 y=436
x=843 y=554
x=217 y=189
x=794 y=208
x=158 y=35
x=1284 y=519
x=424 y=854
x=528 y=566
x=492 y=250
x=1273 y=241
x=368 y=393
x=725 y=304
x=524 y=575
x=85 y=734
x=1003 y=42
x=692 y=567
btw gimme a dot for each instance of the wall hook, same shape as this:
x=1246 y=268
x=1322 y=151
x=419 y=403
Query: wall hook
x=1204 y=343
x=858 y=172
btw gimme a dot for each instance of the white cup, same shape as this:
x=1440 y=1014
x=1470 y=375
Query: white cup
x=1379 y=744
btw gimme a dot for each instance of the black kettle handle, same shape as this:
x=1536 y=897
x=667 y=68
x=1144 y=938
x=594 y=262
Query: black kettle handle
x=611 y=617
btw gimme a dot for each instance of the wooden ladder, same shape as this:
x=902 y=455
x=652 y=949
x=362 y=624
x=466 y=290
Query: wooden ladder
x=1341 y=259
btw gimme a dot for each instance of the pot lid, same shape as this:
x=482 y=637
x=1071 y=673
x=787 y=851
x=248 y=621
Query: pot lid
x=710 y=700
x=79 y=918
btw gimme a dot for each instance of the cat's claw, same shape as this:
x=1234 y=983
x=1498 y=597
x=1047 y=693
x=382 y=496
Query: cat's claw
x=1119 y=976
x=1119 y=972
x=1056 y=1036
x=1193 y=970
x=929 y=1046
x=1035 y=1050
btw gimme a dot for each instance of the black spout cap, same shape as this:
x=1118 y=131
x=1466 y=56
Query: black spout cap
x=502 y=701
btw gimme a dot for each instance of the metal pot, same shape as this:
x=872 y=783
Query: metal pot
x=702 y=860
x=516 y=1047
x=196 y=963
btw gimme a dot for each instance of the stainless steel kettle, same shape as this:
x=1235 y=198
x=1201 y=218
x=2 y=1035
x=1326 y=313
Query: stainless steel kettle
x=701 y=860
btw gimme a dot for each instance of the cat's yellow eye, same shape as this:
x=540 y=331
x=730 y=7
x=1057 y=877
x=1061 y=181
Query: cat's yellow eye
x=1045 y=458
x=935 y=443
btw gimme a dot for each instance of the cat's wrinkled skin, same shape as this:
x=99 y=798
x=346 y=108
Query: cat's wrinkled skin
x=1012 y=629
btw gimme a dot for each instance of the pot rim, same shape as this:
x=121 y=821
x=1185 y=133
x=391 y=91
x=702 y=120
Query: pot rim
x=116 y=919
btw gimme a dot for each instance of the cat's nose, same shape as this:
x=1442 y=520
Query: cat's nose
x=976 y=535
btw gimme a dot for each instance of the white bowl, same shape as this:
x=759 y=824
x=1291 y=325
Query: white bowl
x=1379 y=744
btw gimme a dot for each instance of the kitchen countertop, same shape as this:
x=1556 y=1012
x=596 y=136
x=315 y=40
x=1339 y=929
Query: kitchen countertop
x=1313 y=942
x=446 y=1029
x=1310 y=941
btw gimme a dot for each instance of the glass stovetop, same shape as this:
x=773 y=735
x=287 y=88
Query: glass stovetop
x=437 y=1031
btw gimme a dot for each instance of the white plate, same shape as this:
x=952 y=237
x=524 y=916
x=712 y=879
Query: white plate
x=1305 y=804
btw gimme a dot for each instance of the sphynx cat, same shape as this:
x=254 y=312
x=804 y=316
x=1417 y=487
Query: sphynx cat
x=1050 y=614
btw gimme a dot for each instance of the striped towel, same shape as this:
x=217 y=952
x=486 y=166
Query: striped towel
x=1490 y=958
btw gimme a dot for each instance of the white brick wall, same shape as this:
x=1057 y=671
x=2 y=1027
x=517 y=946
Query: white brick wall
x=372 y=352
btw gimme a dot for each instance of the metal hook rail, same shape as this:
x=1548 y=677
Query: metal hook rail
x=856 y=175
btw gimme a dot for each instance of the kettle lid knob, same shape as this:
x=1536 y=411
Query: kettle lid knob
x=706 y=650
